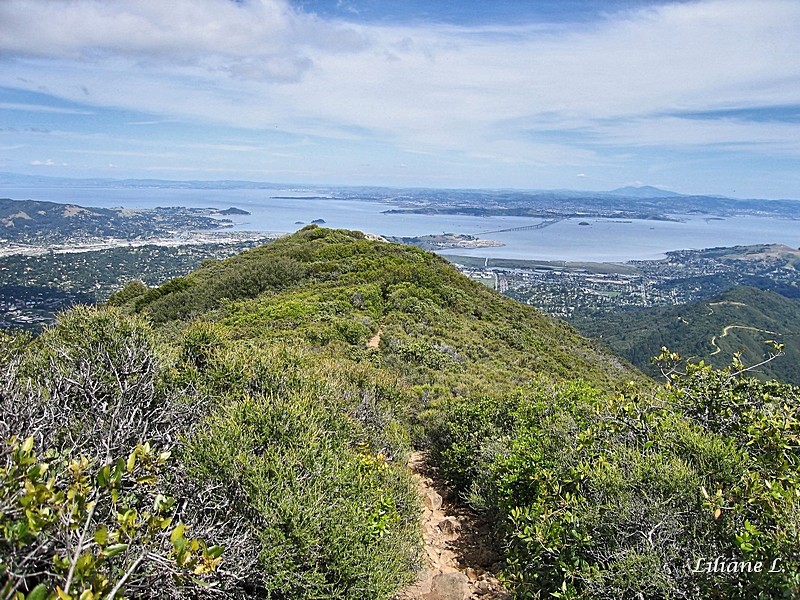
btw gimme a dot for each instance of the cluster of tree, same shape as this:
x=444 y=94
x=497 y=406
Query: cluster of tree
x=739 y=321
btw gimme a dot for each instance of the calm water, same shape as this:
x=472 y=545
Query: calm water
x=601 y=240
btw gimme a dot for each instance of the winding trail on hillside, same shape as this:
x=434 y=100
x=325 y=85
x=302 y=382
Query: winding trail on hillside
x=460 y=560
x=727 y=329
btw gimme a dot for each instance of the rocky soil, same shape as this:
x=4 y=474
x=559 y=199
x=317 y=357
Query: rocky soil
x=461 y=563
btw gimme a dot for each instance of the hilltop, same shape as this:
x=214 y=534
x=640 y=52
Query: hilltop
x=244 y=431
x=643 y=191
x=336 y=289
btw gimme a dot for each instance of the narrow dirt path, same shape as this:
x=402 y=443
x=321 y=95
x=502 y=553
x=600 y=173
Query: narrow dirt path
x=727 y=329
x=461 y=563
x=375 y=340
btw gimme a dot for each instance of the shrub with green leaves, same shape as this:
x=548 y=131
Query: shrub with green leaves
x=202 y=467
x=92 y=503
x=619 y=497
x=302 y=448
x=335 y=520
x=69 y=529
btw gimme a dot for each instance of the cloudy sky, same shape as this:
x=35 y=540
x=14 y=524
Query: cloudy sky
x=694 y=96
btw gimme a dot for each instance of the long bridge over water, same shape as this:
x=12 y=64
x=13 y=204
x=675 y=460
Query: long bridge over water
x=541 y=225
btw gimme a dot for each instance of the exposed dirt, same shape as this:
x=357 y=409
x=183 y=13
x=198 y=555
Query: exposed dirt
x=461 y=562
x=375 y=340
x=727 y=329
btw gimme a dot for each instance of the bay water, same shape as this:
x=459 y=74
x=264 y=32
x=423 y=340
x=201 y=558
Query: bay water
x=601 y=240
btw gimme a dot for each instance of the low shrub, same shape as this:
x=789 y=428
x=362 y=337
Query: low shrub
x=634 y=496
x=334 y=520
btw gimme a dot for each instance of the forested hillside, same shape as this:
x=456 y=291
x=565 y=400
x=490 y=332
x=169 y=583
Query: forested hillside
x=739 y=321
x=243 y=432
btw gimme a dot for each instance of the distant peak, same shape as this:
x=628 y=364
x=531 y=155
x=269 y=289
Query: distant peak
x=643 y=191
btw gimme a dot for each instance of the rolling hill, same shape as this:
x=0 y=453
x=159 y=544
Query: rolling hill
x=244 y=430
x=740 y=320
x=336 y=289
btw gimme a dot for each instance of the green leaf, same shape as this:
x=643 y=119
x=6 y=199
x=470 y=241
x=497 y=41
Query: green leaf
x=115 y=549
x=101 y=535
x=177 y=533
x=62 y=594
x=37 y=471
x=119 y=468
x=103 y=476
x=27 y=445
x=40 y=592
x=131 y=462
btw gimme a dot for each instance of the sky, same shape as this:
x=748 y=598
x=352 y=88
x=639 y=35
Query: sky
x=697 y=97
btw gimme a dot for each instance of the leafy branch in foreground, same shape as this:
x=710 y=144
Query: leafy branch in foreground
x=98 y=510
x=69 y=529
x=669 y=363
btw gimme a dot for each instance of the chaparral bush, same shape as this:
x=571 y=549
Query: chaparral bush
x=136 y=464
x=635 y=496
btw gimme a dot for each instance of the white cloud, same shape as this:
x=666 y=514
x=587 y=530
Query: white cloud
x=674 y=132
x=499 y=93
x=42 y=108
x=47 y=163
x=261 y=39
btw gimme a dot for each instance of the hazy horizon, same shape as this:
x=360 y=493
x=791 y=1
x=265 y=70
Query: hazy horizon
x=697 y=97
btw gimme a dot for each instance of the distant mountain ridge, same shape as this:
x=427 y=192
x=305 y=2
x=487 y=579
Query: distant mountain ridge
x=34 y=181
x=40 y=222
x=630 y=191
x=644 y=191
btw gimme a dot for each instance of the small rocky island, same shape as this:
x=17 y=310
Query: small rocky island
x=232 y=211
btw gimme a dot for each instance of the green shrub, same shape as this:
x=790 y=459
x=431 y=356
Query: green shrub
x=334 y=520
x=73 y=529
x=129 y=293
x=95 y=512
x=619 y=497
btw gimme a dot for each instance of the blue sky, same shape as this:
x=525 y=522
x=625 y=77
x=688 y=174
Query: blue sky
x=693 y=96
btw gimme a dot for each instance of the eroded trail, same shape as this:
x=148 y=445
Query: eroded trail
x=375 y=340
x=461 y=561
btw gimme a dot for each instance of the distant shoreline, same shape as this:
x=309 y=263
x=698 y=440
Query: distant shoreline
x=193 y=238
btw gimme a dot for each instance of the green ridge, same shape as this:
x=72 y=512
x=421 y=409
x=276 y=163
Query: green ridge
x=238 y=432
x=739 y=321
x=334 y=289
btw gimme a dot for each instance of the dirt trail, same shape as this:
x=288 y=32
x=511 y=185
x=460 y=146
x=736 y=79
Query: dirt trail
x=460 y=560
x=727 y=329
x=375 y=340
